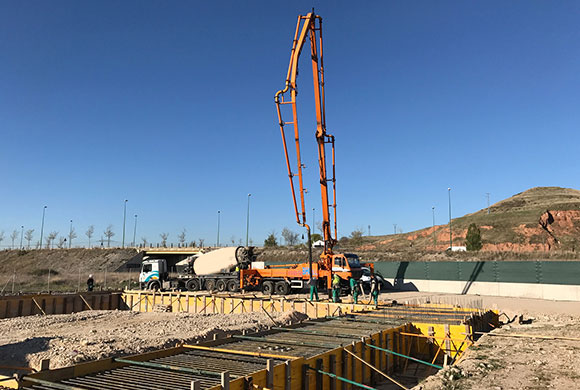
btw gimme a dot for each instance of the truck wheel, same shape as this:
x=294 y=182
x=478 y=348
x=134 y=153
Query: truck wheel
x=210 y=284
x=282 y=288
x=154 y=286
x=268 y=288
x=192 y=285
x=233 y=285
x=221 y=285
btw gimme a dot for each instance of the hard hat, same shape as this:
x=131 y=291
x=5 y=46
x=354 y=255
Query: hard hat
x=91 y=275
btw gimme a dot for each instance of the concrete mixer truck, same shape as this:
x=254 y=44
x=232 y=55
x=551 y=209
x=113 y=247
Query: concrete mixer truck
x=232 y=269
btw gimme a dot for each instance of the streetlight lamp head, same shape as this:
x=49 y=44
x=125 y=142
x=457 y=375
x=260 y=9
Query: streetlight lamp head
x=249 y=194
x=448 y=188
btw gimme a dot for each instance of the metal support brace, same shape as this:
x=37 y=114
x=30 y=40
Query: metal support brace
x=269 y=373
x=363 y=357
x=288 y=373
x=318 y=374
x=344 y=368
x=225 y=380
x=305 y=376
x=332 y=369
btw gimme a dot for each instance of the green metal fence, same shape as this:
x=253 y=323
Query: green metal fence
x=544 y=272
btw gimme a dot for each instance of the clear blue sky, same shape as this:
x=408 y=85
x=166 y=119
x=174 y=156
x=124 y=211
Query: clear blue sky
x=170 y=105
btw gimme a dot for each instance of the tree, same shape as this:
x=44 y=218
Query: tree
x=109 y=233
x=356 y=236
x=315 y=237
x=89 y=233
x=28 y=236
x=181 y=237
x=164 y=239
x=61 y=242
x=1 y=236
x=14 y=236
x=473 y=238
x=71 y=234
x=290 y=237
x=271 y=242
x=201 y=240
x=233 y=240
x=50 y=238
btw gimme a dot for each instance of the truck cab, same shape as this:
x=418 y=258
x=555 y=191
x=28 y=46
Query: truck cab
x=153 y=273
x=346 y=265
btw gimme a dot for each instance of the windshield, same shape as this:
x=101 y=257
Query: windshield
x=353 y=261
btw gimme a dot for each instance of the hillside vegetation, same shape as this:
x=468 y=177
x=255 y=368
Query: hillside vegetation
x=542 y=219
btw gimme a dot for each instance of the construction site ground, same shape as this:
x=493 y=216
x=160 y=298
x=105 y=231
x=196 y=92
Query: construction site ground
x=494 y=362
x=67 y=339
x=497 y=362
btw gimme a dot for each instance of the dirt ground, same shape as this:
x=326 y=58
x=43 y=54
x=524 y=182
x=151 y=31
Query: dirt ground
x=67 y=339
x=502 y=363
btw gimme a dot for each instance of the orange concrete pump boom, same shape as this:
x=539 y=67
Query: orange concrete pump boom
x=309 y=26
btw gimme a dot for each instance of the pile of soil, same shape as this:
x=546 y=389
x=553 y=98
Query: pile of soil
x=68 y=339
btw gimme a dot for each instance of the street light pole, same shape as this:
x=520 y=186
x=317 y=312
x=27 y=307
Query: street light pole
x=70 y=235
x=450 y=234
x=135 y=231
x=313 y=220
x=124 y=220
x=218 y=230
x=248 y=220
x=42 y=227
x=21 y=234
x=434 y=235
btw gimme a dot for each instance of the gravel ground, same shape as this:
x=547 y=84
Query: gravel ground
x=72 y=338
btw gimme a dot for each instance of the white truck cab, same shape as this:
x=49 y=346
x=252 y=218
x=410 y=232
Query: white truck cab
x=153 y=273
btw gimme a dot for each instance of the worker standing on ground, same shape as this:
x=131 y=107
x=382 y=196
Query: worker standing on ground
x=313 y=288
x=90 y=283
x=375 y=289
x=335 y=288
x=353 y=289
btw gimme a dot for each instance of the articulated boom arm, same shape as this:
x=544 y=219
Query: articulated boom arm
x=309 y=27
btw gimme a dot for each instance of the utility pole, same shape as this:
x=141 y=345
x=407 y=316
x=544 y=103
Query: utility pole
x=313 y=220
x=70 y=235
x=487 y=195
x=450 y=234
x=369 y=230
x=21 y=234
x=395 y=228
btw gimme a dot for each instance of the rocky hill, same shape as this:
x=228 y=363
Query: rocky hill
x=541 y=219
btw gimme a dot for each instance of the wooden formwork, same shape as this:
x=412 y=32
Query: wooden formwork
x=31 y=304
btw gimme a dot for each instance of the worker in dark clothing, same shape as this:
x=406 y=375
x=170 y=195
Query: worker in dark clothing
x=353 y=289
x=90 y=283
x=313 y=288
x=335 y=288
x=375 y=290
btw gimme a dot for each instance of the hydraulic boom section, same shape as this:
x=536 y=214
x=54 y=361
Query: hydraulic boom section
x=309 y=27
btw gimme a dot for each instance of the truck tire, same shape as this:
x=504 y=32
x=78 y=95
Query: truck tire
x=233 y=285
x=154 y=285
x=221 y=285
x=268 y=288
x=210 y=284
x=192 y=285
x=282 y=288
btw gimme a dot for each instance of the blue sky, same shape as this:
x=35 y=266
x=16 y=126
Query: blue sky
x=170 y=105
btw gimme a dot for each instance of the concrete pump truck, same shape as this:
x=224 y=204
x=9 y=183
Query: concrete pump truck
x=309 y=27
